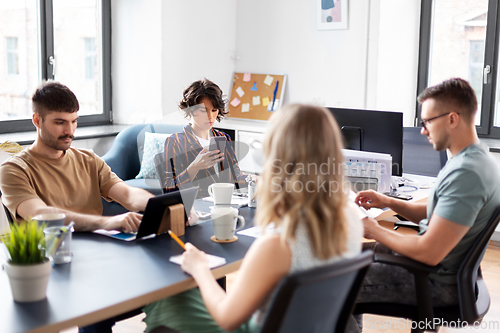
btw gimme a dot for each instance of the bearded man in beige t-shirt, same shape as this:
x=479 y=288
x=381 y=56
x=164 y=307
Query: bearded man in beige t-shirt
x=51 y=173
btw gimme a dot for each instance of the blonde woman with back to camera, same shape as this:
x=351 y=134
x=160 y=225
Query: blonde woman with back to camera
x=314 y=227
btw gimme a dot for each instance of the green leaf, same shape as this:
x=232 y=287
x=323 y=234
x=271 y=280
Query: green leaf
x=25 y=243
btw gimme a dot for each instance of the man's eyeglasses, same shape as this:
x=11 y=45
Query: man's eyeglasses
x=424 y=122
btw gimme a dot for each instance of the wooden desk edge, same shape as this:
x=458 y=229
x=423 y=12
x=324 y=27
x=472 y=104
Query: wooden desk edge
x=390 y=212
x=135 y=303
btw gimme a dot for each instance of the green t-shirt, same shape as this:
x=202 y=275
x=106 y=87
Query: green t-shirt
x=467 y=191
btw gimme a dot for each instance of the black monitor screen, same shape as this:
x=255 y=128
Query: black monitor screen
x=419 y=157
x=374 y=131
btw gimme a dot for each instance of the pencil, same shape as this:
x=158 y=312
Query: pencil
x=174 y=236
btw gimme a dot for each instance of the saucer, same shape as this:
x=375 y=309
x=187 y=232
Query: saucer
x=222 y=206
x=213 y=239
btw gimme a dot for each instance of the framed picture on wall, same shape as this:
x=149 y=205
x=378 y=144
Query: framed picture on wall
x=332 y=14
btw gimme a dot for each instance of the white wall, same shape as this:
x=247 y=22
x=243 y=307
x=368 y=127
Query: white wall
x=397 y=57
x=136 y=63
x=159 y=47
x=326 y=67
x=198 y=41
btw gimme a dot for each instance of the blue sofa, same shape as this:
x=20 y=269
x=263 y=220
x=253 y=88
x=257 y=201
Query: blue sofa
x=124 y=158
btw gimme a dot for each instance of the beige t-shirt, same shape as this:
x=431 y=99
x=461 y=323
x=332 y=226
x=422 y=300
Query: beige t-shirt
x=74 y=182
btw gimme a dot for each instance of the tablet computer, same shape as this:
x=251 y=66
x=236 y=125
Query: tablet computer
x=152 y=218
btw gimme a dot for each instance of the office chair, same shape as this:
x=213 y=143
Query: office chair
x=7 y=213
x=474 y=299
x=317 y=300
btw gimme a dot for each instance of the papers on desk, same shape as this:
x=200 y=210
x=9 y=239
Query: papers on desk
x=235 y=200
x=213 y=261
x=360 y=211
x=374 y=213
x=256 y=232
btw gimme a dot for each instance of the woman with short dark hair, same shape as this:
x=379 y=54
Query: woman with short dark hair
x=188 y=159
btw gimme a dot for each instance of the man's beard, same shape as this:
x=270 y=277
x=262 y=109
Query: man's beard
x=55 y=144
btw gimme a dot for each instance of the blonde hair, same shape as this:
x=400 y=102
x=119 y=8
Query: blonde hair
x=302 y=178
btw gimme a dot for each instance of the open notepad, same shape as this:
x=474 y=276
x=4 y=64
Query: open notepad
x=213 y=261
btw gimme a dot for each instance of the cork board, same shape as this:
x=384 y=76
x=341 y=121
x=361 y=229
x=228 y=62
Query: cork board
x=256 y=96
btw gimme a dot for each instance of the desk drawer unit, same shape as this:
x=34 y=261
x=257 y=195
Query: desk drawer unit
x=249 y=151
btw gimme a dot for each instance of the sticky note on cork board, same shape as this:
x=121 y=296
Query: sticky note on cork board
x=256 y=95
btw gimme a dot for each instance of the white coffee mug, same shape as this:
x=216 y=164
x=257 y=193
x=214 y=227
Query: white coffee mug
x=221 y=193
x=225 y=221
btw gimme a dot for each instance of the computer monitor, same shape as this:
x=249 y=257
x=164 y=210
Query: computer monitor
x=419 y=157
x=375 y=131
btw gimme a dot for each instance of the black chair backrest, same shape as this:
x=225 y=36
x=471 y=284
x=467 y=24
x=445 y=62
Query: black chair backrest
x=419 y=157
x=7 y=213
x=160 y=170
x=317 y=300
x=469 y=269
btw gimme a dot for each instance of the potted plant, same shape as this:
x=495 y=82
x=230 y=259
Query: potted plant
x=28 y=268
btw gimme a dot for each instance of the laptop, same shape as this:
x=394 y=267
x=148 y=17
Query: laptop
x=152 y=218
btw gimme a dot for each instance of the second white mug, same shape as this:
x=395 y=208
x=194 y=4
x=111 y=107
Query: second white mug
x=225 y=221
x=221 y=193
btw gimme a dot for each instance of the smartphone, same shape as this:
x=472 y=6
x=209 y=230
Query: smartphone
x=399 y=195
x=218 y=143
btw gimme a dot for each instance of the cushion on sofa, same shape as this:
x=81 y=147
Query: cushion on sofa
x=154 y=143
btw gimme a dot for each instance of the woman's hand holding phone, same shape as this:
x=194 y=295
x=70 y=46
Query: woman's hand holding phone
x=207 y=159
x=217 y=143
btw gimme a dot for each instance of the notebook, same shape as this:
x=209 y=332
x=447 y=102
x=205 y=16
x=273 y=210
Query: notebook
x=213 y=261
x=153 y=214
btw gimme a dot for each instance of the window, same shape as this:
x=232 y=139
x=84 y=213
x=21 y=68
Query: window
x=90 y=58
x=475 y=75
x=12 y=56
x=459 y=38
x=65 y=40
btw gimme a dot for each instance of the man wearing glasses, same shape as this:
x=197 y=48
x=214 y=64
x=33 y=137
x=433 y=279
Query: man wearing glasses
x=466 y=192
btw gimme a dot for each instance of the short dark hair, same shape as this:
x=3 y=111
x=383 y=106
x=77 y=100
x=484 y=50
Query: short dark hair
x=54 y=96
x=455 y=92
x=198 y=90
